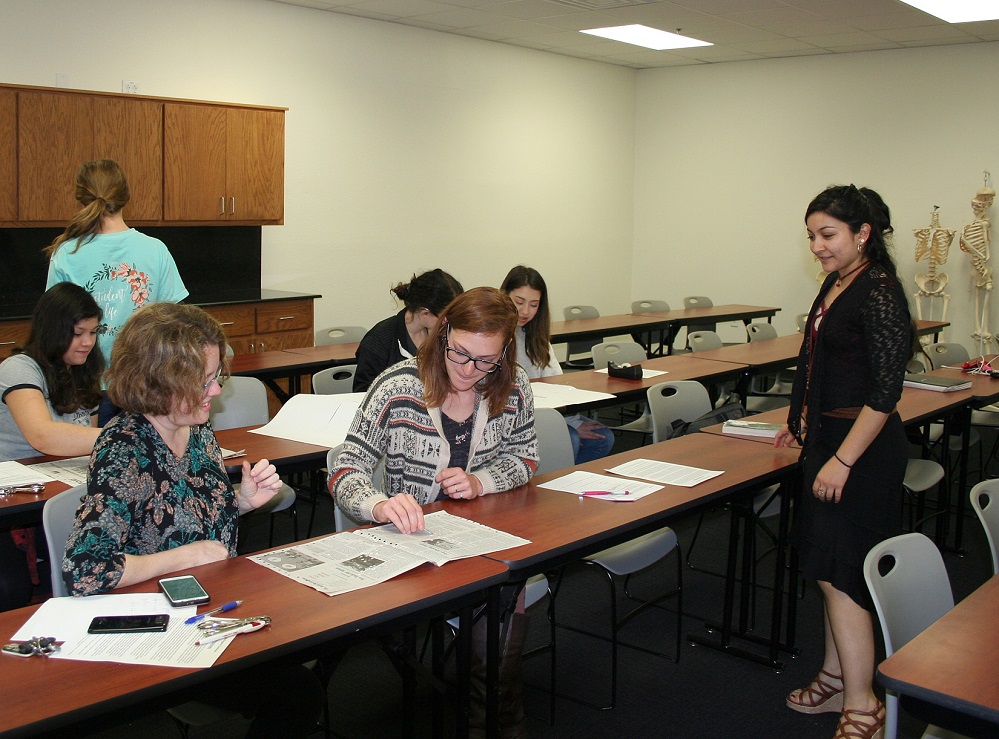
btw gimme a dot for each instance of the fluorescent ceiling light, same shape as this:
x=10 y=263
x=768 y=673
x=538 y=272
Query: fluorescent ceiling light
x=958 y=11
x=650 y=38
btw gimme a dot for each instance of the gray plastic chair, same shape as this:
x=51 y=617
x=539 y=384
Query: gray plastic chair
x=58 y=518
x=802 y=322
x=682 y=400
x=699 y=341
x=699 y=301
x=988 y=514
x=334 y=380
x=243 y=402
x=761 y=331
x=571 y=313
x=554 y=445
x=649 y=306
x=920 y=476
x=913 y=592
x=617 y=352
x=340 y=335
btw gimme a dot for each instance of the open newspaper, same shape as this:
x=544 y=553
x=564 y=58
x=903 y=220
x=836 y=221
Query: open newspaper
x=358 y=559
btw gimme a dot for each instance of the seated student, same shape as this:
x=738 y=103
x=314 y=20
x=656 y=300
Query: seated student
x=158 y=496
x=455 y=422
x=400 y=337
x=49 y=391
x=590 y=439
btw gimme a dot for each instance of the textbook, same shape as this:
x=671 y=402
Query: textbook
x=751 y=428
x=936 y=383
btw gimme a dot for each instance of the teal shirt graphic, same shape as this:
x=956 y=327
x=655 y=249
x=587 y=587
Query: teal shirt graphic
x=123 y=271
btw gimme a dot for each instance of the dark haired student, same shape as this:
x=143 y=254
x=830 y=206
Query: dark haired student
x=401 y=336
x=50 y=391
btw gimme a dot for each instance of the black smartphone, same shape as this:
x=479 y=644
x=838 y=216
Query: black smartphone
x=184 y=590
x=128 y=624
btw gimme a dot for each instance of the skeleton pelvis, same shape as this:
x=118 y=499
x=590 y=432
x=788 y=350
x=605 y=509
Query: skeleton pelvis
x=931 y=285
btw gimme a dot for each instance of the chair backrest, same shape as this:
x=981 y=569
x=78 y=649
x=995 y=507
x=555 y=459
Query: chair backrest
x=988 y=514
x=243 y=402
x=699 y=341
x=697 y=301
x=554 y=445
x=229 y=350
x=675 y=401
x=909 y=586
x=946 y=354
x=617 y=352
x=802 y=320
x=334 y=380
x=572 y=312
x=649 y=306
x=58 y=517
x=761 y=331
x=340 y=335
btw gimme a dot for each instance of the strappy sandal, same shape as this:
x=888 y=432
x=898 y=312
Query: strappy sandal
x=858 y=728
x=818 y=697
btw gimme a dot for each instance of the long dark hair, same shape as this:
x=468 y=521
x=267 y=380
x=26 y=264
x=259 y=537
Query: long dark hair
x=102 y=189
x=56 y=314
x=431 y=290
x=481 y=310
x=855 y=207
x=537 y=331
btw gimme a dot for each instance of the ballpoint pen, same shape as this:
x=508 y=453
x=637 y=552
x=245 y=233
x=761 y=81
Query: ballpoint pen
x=603 y=492
x=221 y=609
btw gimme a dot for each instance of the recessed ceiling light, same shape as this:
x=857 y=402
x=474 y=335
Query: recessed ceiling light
x=650 y=38
x=958 y=11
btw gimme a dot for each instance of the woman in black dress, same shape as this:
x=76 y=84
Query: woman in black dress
x=849 y=380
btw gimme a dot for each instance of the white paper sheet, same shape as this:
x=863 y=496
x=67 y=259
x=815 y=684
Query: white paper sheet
x=323 y=420
x=551 y=395
x=15 y=473
x=72 y=471
x=67 y=620
x=581 y=483
x=664 y=472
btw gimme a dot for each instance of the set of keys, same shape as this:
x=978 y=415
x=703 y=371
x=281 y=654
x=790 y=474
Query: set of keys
x=217 y=629
x=36 y=645
x=31 y=489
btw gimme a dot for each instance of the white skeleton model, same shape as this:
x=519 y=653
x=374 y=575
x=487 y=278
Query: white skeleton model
x=933 y=242
x=975 y=239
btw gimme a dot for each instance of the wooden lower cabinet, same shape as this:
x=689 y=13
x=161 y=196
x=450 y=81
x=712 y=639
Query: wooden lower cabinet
x=13 y=334
x=269 y=326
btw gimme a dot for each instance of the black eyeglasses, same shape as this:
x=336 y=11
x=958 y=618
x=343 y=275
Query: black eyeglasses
x=459 y=357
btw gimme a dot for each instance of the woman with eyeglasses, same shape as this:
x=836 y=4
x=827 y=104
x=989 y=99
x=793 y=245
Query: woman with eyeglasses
x=457 y=421
x=158 y=496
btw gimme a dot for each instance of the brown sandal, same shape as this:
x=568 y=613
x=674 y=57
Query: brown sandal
x=857 y=728
x=818 y=697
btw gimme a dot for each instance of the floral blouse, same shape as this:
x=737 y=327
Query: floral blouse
x=141 y=499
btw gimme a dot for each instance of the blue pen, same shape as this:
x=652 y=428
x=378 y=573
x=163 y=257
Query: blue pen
x=221 y=609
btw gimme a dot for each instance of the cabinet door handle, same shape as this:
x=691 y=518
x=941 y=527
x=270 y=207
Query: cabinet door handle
x=232 y=205
x=262 y=346
x=6 y=343
x=222 y=205
x=227 y=323
x=286 y=318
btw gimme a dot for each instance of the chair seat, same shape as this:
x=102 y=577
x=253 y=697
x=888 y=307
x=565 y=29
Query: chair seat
x=987 y=416
x=763 y=403
x=922 y=474
x=766 y=504
x=954 y=442
x=641 y=425
x=637 y=554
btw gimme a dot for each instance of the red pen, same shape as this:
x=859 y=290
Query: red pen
x=602 y=492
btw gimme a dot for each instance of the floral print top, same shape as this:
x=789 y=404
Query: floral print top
x=143 y=499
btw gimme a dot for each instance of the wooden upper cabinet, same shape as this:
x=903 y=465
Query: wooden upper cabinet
x=223 y=164
x=8 y=155
x=55 y=135
x=131 y=133
x=59 y=131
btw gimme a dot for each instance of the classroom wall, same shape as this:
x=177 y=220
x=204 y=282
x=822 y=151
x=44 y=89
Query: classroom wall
x=406 y=149
x=731 y=154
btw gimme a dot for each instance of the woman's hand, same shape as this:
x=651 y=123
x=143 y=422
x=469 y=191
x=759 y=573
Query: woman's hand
x=590 y=430
x=456 y=483
x=829 y=483
x=784 y=437
x=401 y=510
x=259 y=485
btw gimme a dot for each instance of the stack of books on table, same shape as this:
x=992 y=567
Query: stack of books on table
x=936 y=383
x=751 y=428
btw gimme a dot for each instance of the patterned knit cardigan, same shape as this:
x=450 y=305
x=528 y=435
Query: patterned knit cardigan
x=394 y=423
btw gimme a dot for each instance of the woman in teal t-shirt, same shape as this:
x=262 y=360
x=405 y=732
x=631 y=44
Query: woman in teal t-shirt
x=122 y=268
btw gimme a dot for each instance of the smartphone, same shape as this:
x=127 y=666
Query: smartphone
x=128 y=624
x=184 y=590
